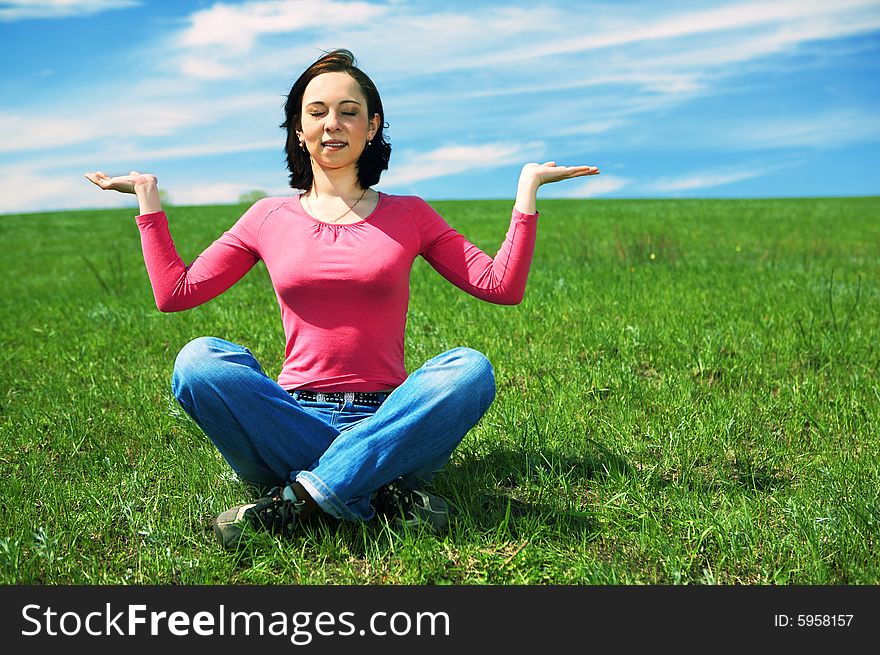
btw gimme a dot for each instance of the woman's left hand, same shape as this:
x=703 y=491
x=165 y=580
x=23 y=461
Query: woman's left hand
x=550 y=172
x=534 y=175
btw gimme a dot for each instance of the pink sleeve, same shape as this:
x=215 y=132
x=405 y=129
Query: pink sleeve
x=501 y=280
x=177 y=286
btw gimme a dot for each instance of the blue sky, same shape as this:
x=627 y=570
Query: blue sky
x=670 y=99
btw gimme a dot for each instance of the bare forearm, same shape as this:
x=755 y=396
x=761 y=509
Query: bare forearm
x=147 y=191
x=526 y=194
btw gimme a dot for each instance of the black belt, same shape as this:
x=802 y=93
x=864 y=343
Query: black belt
x=354 y=397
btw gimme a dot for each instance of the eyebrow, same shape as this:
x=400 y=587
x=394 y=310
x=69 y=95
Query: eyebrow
x=341 y=102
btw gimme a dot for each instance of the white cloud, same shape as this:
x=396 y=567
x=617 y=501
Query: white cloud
x=827 y=130
x=606 y=184
x=596 y=127
x=729 y=18
x=50 y=185
x=121 y=122
x=205 y=68
x=701 y=180
x=193 y=150
x=214 y=193
x=236 y=27
x=29 y=133
x=449 y=160
x=13 y=10
x=649 y=76
x=397 y=35
x=35 y=132
x=596 y=185
x=26 y=188
x=734 y=48
x=676 y=57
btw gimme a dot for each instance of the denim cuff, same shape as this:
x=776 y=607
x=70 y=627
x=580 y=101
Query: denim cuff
x=328 y=501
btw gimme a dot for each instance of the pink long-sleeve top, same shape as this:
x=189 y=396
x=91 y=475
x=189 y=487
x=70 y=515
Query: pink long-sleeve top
x=343 y=290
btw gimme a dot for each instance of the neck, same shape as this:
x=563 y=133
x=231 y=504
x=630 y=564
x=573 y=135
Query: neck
x=339 y=183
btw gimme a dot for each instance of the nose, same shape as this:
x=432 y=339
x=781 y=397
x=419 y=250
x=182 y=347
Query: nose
x=331 y=121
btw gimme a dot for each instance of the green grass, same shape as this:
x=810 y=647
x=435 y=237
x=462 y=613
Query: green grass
x=688 y=394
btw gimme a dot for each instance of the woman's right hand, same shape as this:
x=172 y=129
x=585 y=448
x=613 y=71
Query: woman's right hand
x=122 y=183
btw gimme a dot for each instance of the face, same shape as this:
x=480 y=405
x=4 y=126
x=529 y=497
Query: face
x=335 y=126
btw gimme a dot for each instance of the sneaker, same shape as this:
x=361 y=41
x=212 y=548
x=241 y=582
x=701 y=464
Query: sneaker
x=411 y=507
x=276 y=513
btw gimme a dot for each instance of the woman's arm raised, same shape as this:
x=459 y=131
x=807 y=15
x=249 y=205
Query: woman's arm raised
x=177 y=286
x=501 y=279
x=535 y=175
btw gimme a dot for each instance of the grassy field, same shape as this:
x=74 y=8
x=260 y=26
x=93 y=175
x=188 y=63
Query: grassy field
x=688 y=394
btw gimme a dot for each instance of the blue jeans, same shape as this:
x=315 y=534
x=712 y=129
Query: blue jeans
x=340 y=453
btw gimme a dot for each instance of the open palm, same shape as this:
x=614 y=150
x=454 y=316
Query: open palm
x=121 y=183
x=550 y=172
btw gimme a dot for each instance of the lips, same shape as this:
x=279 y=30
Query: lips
x=333 y=144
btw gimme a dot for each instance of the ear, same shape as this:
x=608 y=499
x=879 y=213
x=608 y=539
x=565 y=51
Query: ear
x=374 y=125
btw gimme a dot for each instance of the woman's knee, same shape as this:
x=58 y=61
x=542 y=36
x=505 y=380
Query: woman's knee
x=472 y=372
x=199 y=360
x=194 y=354
x=476 y=365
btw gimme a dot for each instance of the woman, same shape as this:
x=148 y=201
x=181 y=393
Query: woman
x=344 y=430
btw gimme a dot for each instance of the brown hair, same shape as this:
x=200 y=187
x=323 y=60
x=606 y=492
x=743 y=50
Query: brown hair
x=374 y=158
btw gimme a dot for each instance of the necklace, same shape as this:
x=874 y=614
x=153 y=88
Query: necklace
x=309 y=205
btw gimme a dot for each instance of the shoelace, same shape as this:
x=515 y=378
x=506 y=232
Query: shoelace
x=276 y=514
x=395 y=500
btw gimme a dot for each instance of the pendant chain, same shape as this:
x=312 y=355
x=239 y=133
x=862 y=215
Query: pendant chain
x=309 y=205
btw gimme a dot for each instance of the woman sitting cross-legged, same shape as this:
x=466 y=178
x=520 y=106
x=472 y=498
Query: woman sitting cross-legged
x=345 y=429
